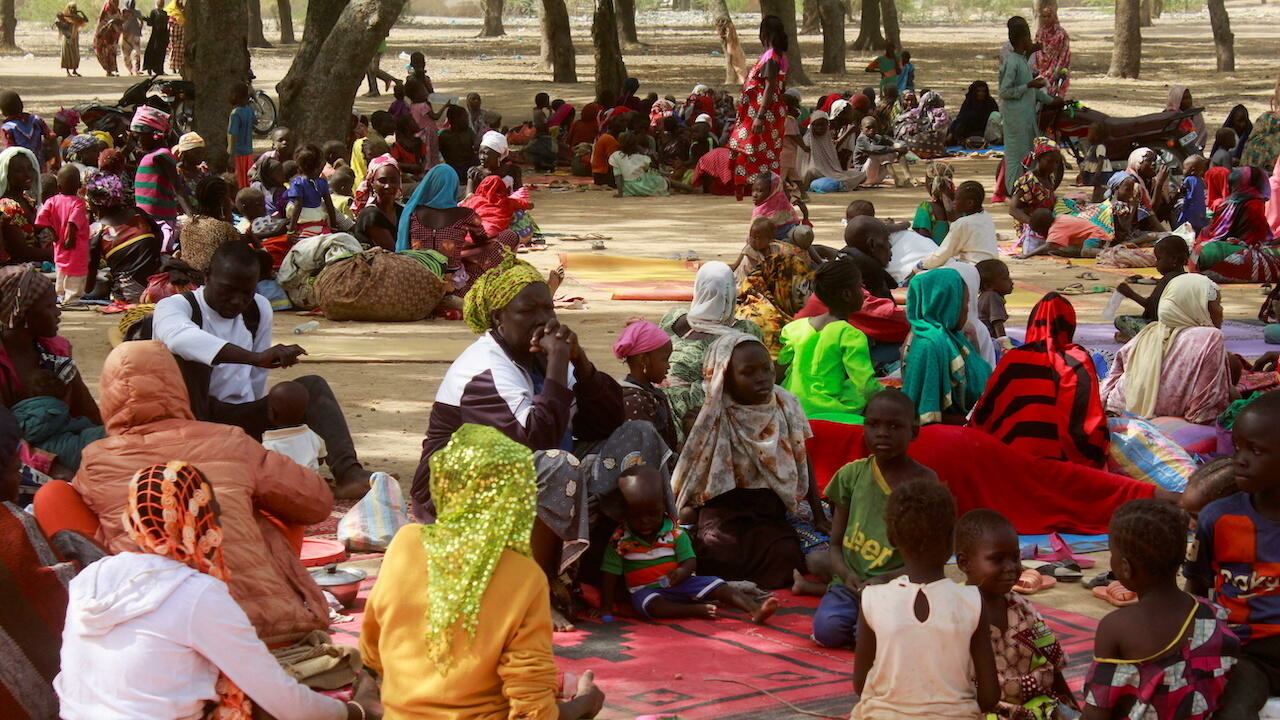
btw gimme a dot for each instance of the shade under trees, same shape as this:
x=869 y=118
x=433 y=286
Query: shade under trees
x=339 y=40
x=786 y=11
x=611 y=70
x=256 y=37
x=1126 y=53
x=1224 y=41
x=833 y=45
x=557 y=42
x=217 y=52
x=869 y=36
x=284 y=11
x=626 y=13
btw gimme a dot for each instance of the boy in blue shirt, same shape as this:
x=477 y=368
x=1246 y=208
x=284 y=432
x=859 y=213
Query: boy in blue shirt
x=1235 y=559
x=240 y=134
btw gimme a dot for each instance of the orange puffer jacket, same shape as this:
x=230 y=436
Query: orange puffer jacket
x=148 y=419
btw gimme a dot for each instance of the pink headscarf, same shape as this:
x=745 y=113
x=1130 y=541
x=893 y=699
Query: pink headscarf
x=638 y=338
x=364 y=192
x=777 y=206
x=147 y=117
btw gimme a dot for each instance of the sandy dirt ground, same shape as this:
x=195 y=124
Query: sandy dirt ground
x=388 y=403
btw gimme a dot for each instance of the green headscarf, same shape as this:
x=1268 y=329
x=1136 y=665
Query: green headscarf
x=942 y=371
x=495 y=288
x=486 y=495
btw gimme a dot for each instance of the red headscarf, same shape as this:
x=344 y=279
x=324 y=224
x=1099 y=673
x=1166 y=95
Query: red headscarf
x=1043 y=396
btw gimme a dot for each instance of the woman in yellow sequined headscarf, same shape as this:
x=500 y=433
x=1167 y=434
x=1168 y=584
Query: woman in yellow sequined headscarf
x=469 y=586
x=169 y=604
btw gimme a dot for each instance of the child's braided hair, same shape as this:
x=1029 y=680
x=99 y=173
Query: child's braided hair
x=833 y=278
x=1151 y=534
x=921 y=516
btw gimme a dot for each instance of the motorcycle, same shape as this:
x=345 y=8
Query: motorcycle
x=1101 y=144
x=174 y=96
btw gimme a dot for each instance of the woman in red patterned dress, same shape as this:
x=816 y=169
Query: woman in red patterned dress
x=757 y=138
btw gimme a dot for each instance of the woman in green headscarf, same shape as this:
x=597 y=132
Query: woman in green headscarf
x=941 y=371
x=469 y=586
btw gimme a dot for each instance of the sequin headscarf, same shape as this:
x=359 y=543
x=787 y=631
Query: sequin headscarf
x=496 y=287
x=171 y=513
x=486 y=496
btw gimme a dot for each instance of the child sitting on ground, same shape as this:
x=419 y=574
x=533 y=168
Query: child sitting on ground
x=1233 y=562
x=760 y=245
x=310 y=208
x=860 y=208
x=769 y=194
x=458 y=142
x=23 y=129
x=1172 y=256
x=409 y=150
x=67 y=215
x=541 y=151
x=1169 y=653
x=281 y=151
x=633 y=172
x=923 y=639
x=398 y=106
x=1029 y=659
x=1191 y=206
x=341 y=183
x=972 y=235
x=272 y=183
x=335 y=158
x=859 y=491
x=994 y=283
x=654 y=556
x=46 y=422
x=1225 y=140
x=826 y=361
x=873 y=151
x=287 y=405
x=646 y=350
x=880 y=318
x=1066 y=235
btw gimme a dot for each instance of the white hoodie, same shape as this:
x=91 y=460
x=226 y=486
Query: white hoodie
x=146 y=636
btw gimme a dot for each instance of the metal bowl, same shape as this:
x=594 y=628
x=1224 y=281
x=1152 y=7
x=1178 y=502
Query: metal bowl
x=342 y=583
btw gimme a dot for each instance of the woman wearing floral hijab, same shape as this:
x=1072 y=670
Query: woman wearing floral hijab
x=1053 y=60
x=469 y=586
x=168 y=607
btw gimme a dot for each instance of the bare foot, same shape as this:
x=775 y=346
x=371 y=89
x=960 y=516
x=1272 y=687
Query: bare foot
x=766 y=611
x=703 y=611
x=798 y=583
x=560 y=623
x=587 y=689
x=352 y=485
x=554 y=278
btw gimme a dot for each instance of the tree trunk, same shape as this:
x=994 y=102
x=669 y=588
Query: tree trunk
x=735 y=61
x=681 y=4
x=810 y=18
x=786 y=11
x=869 y=37
x=217 y=52
x=833 y=44
x=1126 y=56
x=1224 y=41
x=626 y=12
x=892 y=30
x=1036 y=7
x=557 y=42
x=338 y=41
x=256 y=38
x=611 y=71
x=284 y=10
x=1144 y=13
x=493 y=19
x=8 y=27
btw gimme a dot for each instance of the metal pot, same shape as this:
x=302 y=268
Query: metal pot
x=342 y=583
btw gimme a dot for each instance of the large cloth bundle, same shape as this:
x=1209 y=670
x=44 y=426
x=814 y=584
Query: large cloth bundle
x=377 y=285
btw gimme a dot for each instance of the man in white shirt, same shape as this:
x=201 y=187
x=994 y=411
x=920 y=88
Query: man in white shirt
x=221 y=334
x=972 y=237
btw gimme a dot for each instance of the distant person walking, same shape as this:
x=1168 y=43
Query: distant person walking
x=131 y=37
x=158 y=43
x=176 y=10
x=69 y=22
x=1053 y=59
x=106 y=39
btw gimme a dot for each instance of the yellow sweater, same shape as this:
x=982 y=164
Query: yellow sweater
x=507 y=672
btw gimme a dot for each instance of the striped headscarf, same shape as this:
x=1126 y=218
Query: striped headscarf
x=20 y=287
x=365 y=195
x=486 y=495
x=171 y=514
x=495 y=288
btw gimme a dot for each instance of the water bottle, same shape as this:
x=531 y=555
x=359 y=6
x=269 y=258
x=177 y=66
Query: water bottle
x=306 y=327
x=1113 y=306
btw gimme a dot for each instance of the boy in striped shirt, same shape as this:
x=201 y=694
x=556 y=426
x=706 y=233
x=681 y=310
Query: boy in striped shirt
x=653 y=555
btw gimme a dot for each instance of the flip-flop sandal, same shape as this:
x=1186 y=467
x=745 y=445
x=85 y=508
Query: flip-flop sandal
x=1062 y=570
x=1102 y=579
x=1116 y=594
x=1032 y=582
x=1087 y=275
x=1062 y=551
x=1072 y=289
x=1141 y=280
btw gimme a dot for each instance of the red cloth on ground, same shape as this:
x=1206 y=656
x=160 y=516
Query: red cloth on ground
x=880 y=318
x=1037 y=495
x=496 y=205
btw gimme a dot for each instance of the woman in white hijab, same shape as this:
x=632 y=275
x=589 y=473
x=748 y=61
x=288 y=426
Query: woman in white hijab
x=824 y=156
x=1177 y=366
x=494 y=160
x=693 y=329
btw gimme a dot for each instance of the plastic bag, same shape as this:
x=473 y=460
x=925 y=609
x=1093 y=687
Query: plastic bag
x=372 y=522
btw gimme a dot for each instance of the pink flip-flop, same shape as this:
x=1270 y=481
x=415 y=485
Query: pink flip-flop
x=1060 y=550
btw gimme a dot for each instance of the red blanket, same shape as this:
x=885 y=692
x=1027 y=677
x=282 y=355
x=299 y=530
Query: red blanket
x=1036 y=494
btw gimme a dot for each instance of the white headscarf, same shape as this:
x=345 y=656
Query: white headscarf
x=700 y=88
x=838 y=107
x=495 y=141
x=6 y=157
x=1183 y=304
x=714 y=296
